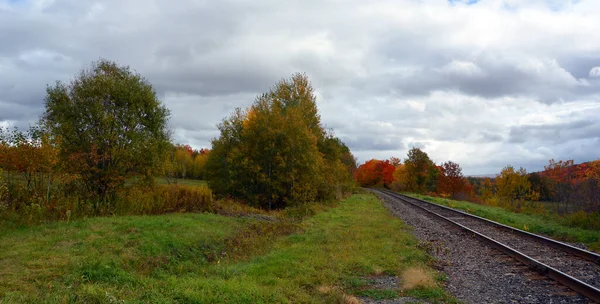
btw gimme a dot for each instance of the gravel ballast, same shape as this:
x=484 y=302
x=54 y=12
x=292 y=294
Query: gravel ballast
x=476 y=272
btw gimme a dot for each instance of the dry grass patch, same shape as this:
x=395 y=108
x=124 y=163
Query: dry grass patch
x=337 y=295
x=377 y=271
x=415 y=277
x=325 y=289
x=348 y=299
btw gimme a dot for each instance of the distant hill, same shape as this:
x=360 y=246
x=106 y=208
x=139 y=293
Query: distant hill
x=483 y=175
x=561 y=168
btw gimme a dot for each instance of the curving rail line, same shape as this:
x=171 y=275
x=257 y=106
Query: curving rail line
x=576 y=268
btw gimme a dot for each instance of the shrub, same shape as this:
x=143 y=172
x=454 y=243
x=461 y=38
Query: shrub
x=164 y=199
x=184 y=198
x=582 y=219
x=28 y=208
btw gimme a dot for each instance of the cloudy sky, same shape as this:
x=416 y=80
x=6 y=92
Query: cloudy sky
x=483 y=83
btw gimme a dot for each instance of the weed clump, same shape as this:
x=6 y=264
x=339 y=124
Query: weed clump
x=417 y=277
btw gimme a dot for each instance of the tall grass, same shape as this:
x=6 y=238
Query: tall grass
x=160 y=199
x=21 y=207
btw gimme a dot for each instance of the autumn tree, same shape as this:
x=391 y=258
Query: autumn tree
x=561 y=175
x=366 y=175
x=542 y=184
x=276 y=153
x=593 y=170
x=183 y=161
x=112 y=127
x=338 y=168
x=400 y=177
x=375 y=173
x=179 y=163
x=198 y=165
x=394 y=161
x=577 y=186
x=514 y=189
x=33 y=156
x=420 y=171
x=590 y=186
x=487 y=189
x=451 y=180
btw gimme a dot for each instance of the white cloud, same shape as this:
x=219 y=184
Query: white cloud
x=464 y=68
x=456 y=79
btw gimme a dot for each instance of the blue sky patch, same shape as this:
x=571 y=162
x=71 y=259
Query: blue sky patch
x=468 y=2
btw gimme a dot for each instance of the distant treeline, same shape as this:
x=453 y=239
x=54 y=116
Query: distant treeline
x=563 y=187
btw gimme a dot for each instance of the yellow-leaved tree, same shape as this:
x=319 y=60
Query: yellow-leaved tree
x=514 y=188
x=276 y=152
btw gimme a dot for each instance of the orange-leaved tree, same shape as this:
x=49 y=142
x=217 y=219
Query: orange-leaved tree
x=561 y=175
x=32 y=155
x=375 y=173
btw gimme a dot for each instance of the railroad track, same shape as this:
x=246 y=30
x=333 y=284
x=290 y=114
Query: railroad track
x=576 y=268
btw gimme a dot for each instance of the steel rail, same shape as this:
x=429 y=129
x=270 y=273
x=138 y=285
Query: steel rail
x=585 y=289
x=585 y=254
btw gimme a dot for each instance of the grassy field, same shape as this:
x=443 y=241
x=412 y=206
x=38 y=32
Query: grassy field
x=536 y=223
x=194 y=258
x=181 y=181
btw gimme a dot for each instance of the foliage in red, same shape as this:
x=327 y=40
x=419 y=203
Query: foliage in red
x=451 y=180
x=204 y=151
x=188 y=149
x=570 y=173
x=375 y=173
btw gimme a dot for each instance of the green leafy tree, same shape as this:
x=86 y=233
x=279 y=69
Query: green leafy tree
x=112 y=127
x=420 y=171
x=338 y=169
x=276 y=152
x=219 y=168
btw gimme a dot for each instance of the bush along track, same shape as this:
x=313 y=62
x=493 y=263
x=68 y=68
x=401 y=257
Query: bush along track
x=356 y=250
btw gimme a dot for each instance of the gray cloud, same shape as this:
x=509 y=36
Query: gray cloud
x=555 y=133
x=366 y=143
x=478 y=84
x=490 y=77
x=490 y=137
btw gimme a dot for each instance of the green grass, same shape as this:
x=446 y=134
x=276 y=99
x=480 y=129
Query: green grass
x=60 y=261
x=183 y=258
x=181 y=181
x=545 y=224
